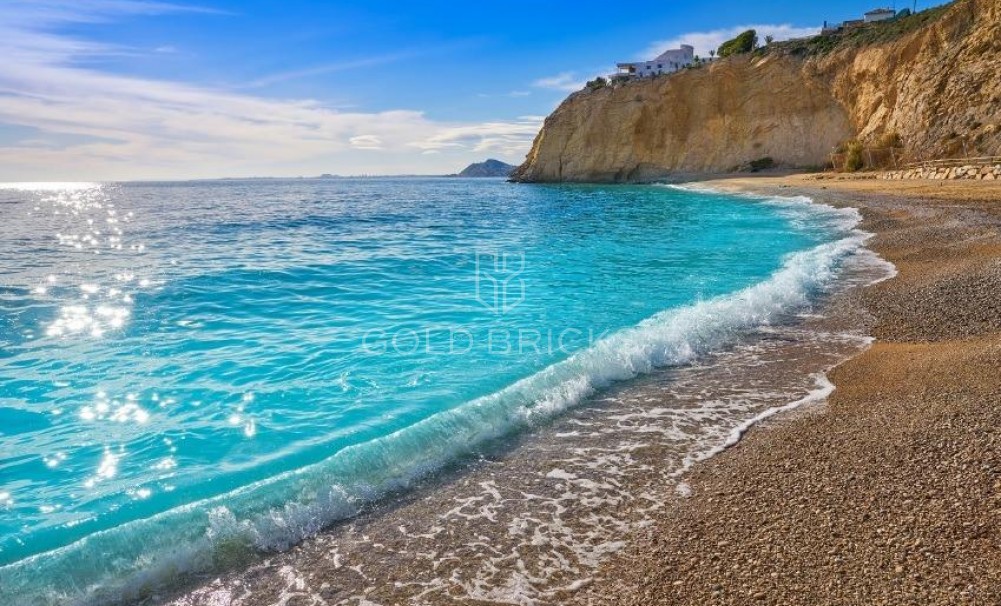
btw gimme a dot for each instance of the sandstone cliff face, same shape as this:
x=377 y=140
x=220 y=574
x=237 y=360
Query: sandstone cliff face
x=937 y=87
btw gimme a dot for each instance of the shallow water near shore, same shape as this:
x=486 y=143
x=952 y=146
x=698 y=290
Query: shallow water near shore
x=196 y=374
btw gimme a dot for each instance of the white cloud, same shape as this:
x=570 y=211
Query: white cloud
x=125 y=127
x=40 y=12
x=566 y=81
x=711 y=40
x=508 y=138
x=366 y=142
x=328 y=68
x=514 y=94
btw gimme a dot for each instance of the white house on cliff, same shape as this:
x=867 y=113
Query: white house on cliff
x=667 y=62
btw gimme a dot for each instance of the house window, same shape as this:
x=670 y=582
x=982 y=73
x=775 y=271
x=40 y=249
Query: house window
x=660 y=66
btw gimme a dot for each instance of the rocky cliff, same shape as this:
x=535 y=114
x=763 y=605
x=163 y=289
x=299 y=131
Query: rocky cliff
x=932 y=81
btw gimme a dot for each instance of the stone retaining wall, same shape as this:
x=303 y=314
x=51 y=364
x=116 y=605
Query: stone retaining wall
x=982 y=172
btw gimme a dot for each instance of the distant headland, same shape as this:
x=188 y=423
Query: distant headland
x=488 y=168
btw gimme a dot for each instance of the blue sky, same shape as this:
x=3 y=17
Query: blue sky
x=143 y=89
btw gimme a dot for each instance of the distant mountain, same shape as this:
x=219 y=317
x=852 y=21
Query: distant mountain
x=490 y=168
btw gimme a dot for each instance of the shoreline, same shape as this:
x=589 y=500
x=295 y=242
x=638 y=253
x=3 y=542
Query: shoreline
x=531 y=521
x=612 y=504
x=889 y=493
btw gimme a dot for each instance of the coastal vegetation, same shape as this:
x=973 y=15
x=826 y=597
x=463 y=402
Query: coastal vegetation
x=853 y=156
x=743 y=43
x=761 y=164
x=881 y=153
x=599 y=82
x=857 y=37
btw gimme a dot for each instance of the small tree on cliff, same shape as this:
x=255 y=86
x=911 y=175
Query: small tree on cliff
x=769 y=40
x=744 y=43
x=853 y=156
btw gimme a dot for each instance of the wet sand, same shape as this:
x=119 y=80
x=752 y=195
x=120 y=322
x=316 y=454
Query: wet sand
x=889 y=494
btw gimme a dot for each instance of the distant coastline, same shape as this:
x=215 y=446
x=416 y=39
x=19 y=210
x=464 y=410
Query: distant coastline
x=490 y=168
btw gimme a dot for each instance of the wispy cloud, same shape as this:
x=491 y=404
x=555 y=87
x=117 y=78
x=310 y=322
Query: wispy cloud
x=501 y=137
x=514 y=94
x=360 y=63
x=711 y=40
x=366 y=142
x=565 y=81
x=131 y=126
x=91 y=11
x=327 y=68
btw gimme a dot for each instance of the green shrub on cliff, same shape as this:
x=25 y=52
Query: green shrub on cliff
x=744 y=43
x=760 y=164
x=597 y=83
x=853 y=156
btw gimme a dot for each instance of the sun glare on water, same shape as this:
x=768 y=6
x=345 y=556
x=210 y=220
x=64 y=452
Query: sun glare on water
x=50 y=186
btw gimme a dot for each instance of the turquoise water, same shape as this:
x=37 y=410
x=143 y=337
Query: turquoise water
x=193 y=371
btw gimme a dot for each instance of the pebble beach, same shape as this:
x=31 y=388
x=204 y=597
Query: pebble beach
x=889 y=492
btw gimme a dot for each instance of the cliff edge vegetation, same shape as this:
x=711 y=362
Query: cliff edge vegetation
x=926 y=84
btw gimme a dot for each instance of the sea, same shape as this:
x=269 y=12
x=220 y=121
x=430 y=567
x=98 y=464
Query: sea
x=385 y=390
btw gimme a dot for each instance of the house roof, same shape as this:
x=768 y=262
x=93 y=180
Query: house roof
x=881 y=11
x=664 y=56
